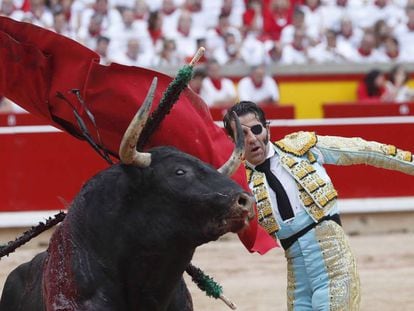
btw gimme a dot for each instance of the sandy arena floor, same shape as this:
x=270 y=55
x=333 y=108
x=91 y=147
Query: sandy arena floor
x=257 y=283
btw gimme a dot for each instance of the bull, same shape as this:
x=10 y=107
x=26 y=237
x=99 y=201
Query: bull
x=131 y=232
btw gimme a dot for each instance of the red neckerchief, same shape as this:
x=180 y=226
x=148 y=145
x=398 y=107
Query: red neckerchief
x=216 y=83
x=68 y=15
x=94 y=34
x=184 y=33
x=257 y=85
x=155 y=34
x=297 y=48
x=364 y=53
x=219 y=32
x=410 y=26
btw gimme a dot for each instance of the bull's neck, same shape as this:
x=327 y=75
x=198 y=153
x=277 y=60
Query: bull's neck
x=59 y=284
x=138 y=278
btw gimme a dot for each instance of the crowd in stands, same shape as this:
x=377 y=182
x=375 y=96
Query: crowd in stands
x=155 y=33
x=167 y=32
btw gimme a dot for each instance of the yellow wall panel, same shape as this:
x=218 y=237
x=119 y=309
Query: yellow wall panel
x=308 y=97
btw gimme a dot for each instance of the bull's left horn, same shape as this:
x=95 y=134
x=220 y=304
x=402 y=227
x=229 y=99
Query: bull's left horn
x=236 y=157
x=127 y=150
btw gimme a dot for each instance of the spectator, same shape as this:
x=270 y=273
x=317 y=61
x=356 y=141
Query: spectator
x=381 y=32
x=405 y=35
x=110 y=17
x=298 y=22
x=253 y=18
x=372 y=89
x=155 y=29
x=333 y=13
x=168 y=55
x=7 y=8
x=367 y=52
x=201 y=19
x=297 y=52
x=253 y=51
x=88 y=35
x=39 y=14
x=215 y=36
x=185 y=35
x=391 y=50
x=196 y=81
x=397 y=85
x=330 y=51
x=348 y=33
x=60 y=24
x=129 y=28
x=133 y=55
x=277 y=16
x=313 y=20
x=258 y=87
x=170 y=16
x=234 y=10
x=102 y=48
x=216 y=90
x=229 y=54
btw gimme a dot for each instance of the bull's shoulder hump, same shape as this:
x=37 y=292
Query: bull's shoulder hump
x=297 y=143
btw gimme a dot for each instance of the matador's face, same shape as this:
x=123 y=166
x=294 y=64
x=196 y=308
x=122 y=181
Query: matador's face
x=256 y=138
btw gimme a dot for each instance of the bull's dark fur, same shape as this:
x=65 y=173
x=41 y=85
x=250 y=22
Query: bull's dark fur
x=128 y=237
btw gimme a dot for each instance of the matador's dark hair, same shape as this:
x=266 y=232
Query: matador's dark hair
x=242 y=108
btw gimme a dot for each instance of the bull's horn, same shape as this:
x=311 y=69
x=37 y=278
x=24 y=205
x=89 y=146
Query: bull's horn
x=127 y=150
x=236 y=157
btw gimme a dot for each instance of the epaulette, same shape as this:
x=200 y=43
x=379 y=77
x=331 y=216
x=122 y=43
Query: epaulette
x=297 y=143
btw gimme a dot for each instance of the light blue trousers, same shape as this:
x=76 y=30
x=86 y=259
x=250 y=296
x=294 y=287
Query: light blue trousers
x=322 y=273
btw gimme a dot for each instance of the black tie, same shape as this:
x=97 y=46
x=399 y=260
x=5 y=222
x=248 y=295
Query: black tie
x=283 y=204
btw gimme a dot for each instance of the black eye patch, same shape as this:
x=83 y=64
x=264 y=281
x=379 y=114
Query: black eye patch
x=257 y=129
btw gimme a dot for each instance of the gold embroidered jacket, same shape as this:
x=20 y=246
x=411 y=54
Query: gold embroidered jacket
x=302 y=155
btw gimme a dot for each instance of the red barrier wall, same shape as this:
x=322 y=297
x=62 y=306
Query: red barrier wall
x=39 y=165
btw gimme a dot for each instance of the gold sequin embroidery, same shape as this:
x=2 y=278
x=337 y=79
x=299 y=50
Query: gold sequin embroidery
x=297 y=143
x=344 y=284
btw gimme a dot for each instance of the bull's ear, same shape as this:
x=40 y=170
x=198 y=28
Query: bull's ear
x=127 y=150
x=238 y=153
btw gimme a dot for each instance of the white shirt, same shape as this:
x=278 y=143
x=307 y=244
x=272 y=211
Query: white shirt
x=211 y=95
x=248 y=91
x=288 y=183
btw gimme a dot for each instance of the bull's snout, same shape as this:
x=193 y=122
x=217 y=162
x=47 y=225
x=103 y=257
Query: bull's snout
x=245 y=202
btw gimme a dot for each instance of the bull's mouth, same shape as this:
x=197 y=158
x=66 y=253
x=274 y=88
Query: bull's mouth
x=235 y=219
x=235 y=223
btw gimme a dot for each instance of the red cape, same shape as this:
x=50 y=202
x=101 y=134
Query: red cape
x=36 y=64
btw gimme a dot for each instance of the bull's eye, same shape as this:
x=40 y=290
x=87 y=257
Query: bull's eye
x=179 y=172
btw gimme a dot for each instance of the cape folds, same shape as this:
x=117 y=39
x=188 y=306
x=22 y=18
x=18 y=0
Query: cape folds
x=38 y=64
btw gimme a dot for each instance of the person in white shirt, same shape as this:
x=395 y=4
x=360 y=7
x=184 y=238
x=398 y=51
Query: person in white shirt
x=129 y=28
x=297 y=52
x=216 y=90
x=258 y=87
x=330 y=51
x=133 y=55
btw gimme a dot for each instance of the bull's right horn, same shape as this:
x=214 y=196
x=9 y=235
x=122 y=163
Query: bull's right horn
x=127 y=150
x=236 y=157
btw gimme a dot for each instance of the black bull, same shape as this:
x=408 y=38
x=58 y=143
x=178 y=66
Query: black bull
x=128 y=237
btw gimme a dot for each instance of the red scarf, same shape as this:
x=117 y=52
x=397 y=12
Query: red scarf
x=364 y=53
x=257 y=84
x=216 y=83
